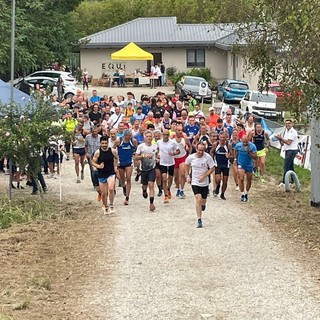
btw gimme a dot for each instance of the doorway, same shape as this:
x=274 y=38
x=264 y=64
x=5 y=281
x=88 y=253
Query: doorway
x=157 y=58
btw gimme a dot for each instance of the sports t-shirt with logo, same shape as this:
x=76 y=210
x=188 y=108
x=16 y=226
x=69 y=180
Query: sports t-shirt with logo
x=148 y=162
x=244 y=160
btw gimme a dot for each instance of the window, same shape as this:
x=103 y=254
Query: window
x=195 y=58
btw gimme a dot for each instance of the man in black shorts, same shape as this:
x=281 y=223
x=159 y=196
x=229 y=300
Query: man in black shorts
x=221 y=152
x=146 y=152
x=199 y=162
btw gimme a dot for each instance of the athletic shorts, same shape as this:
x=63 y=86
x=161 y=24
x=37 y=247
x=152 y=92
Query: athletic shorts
x=105 y=179
x=177 y=161
x=261 y=153
x=79 y=151
x=148 y=176
x=247 y=169
x=167 y=169
x=54 y=158
x=123 y=166
x=200 y=190
x=224 y=171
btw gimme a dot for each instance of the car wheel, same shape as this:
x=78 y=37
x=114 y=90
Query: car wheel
x=69 y=95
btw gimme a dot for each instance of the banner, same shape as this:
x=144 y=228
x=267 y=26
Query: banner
x=302 y=158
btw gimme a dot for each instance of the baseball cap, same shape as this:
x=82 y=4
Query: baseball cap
x=211 y=109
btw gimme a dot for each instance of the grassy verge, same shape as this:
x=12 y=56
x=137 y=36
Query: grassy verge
x=274 y=167
x=23 y=210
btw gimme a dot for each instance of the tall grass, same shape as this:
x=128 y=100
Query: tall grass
x=22 y=210
x=274 y=167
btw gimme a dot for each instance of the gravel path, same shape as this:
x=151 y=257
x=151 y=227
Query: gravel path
x=162 y=267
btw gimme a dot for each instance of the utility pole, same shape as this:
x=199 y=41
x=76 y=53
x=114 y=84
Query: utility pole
x=13 y=24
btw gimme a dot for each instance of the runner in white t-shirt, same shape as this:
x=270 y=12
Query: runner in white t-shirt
x=167 y=149
x=146 y=152
x=202 y=165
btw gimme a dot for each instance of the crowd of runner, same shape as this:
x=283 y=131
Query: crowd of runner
x=164 y=142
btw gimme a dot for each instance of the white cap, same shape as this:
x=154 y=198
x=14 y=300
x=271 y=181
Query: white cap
x=211 y=109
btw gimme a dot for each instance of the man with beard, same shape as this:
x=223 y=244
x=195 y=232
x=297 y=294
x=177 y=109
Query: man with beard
x=105 y=160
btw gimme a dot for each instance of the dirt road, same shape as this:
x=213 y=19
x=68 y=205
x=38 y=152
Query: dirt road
x=160 y=266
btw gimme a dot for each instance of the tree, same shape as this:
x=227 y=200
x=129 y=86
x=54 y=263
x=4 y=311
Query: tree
x=44 y=33
x=281 y=42
x=24 y=132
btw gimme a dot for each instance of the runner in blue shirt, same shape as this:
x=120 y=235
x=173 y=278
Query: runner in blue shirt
x=191 y=129
x=245 y=153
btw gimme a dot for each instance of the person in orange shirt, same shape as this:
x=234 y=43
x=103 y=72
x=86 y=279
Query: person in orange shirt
x=212 y=118
x=148 y=119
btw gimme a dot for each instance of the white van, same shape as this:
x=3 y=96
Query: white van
x=262 y=104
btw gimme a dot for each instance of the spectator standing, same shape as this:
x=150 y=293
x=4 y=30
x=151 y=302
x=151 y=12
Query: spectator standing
x=289 y=144
x=163 y=71
x=85 y=79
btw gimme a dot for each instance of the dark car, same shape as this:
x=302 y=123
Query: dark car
x=232 y=90
x=191 y=84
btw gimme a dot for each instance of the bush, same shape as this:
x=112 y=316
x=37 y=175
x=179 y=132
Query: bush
x=205 y=73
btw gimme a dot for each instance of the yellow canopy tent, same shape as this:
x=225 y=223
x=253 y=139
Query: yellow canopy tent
x=131 y=52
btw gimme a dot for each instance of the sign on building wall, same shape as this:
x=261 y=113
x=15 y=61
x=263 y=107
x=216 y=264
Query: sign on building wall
x=113 y=65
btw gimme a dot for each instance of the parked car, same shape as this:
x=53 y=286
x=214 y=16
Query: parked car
x=190 y=84
x=67 y=77
x=276 y=88
x=259 y=103
x=28 y=84
x=231 y=90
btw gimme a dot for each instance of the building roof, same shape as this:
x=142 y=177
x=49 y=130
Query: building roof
x=159 y=31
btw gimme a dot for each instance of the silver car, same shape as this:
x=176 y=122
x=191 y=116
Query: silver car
x=191 y=84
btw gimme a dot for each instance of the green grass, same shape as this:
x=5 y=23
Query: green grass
x=22 y=210
x=274 y=167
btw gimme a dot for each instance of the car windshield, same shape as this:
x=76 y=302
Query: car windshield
x=240 y=86
x=263 y=97
x=276 y=89
x=193 y=81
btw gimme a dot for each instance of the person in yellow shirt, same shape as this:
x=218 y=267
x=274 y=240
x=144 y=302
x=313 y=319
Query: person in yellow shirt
x=70 y=124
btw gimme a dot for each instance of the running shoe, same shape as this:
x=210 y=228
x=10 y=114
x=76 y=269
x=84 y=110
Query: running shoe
x=45 y=190
x=99 y=197
x=215 y=194
x=145 y=194
x=126 y=202
x=111 y=208
x=281 y=184
x=169 y=194
x=82 y=175
x=105 y=209
x=237 y=188
x=262 y=179
x=242 y=198
x=182 y=195
x=152 y=207
x=203 y=207
x=223 y=197
x=166 y=199
x=78 y=179
x=178 y=193
x=159 y=193
x=245 y=199
x=34 y=193
x=137 y=177
x=199 y=225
